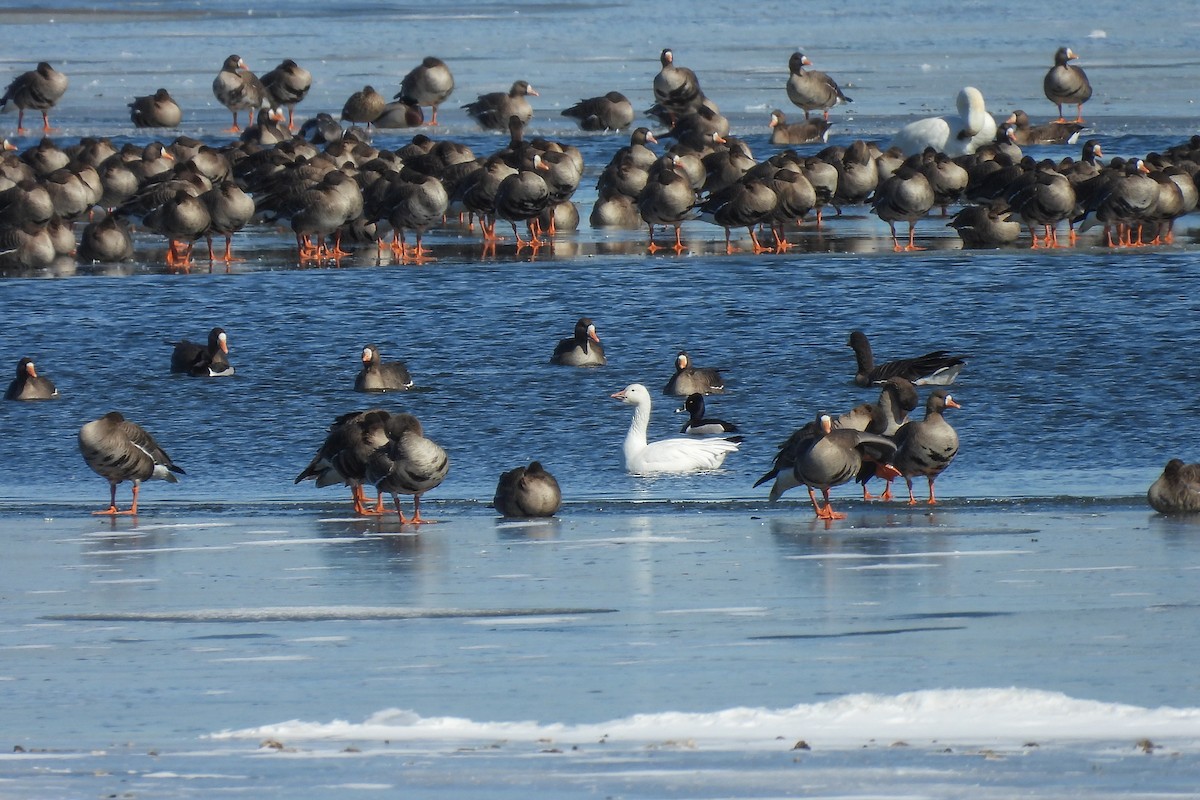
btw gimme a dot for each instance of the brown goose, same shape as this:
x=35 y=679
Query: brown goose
x=811 y=130
x=429 y=83
x=608 y=112
x=400 y=114
x=583 y=349
x=182 y=219
x=614 y=209
x=904 y=197
x=119 y=450
x=676 y=88
x=667 y=199
x=342 y=458
x=378 y=375
x=1045 y=198
x=1127 y=203
x=926 y=447
x=287 y=85
x=936 y=368
x=39 y=89
x=229 y=210
x=493 y=110
x=202 y=360
x=893 y=407
x=320 y=211
x=812 y=90
x=858 y=175
x=1024 y=132
x=521 y=198
x=239 y=89
x=418 y=202
x=693 y=380
x=985 y=226
x=1177 y=490
x=796 y=197
x=527 y=492
x=106 y=239
x=1067 y=83
x=836 y=456
x=158 y=110
x=409 y=463
x=28 y=246
x=28 y=385
x=364 y=106
x=746 y=204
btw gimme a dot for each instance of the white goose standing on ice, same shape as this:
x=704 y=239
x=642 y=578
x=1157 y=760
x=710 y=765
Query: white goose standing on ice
x=678 y=454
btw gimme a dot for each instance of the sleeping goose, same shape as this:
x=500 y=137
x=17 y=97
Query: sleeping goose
x=832 y=457
x=427 y=84
x=527 y=492
x=675 y=455
x=287 y=85
x=158 y=110
x=691 y=380
x=342 y=458
x=381 y=376
x=39 y=89
x=934 y=368
x=200 y=360
x=119 y=450
x=926 y=447
x=28 y=385
x=608 y=112
x=1177 y=490
x=409 y=463
x=583 y=349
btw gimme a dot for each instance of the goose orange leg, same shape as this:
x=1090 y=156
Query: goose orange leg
x=112 y=511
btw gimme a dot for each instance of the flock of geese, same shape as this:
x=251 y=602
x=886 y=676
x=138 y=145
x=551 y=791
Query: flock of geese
x=335 y=190
x=390 y=451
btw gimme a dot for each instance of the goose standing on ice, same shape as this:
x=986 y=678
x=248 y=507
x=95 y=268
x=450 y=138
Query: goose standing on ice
x=835 y=456
x=119 y=450
x=675 y=455
x=409 y=463
x=1067 y=83
x=927 y=446
x=812 y=90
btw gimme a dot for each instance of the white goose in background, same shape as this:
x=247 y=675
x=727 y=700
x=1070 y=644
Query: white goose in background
x=953 y=135
x=678 y=454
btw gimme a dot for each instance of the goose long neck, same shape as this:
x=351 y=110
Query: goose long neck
x=635 y=440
